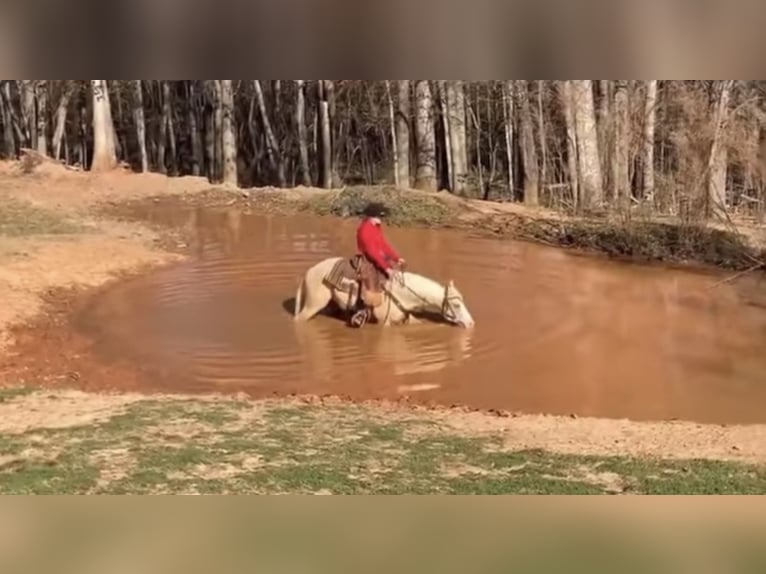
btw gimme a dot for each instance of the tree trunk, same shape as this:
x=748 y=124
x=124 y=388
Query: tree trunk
x=542 y=142
x=28 y=112
x=445 y=125
x=272 y=146
x=168 y=102
x=300 y=122
x=138 y=119
x=650 y=117
x=457 y=135
x=527 y=143
x=104 y=150
x=41 y=124
x=508 y=117
x=392 y=120
x=425 y=176
x=61 y=114
x=229 y=136
x=82 y=151
x=329 y=92
x=604 y=128
x=218 y=133
x=621 y=156
x=588 y=156
x=210 y=111
x=718 y=158
x=403 y=132
x=198 y=159
x=9 y=143
x=165 y=126
x=325 y=141
x=567 y=103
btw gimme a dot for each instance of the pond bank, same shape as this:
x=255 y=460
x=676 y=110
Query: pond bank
x=640 y=239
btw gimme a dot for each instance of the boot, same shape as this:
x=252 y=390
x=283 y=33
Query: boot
x=361 y=313
x=360 y=318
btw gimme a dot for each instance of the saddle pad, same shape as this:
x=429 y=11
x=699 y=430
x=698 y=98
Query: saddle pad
x=343 y=269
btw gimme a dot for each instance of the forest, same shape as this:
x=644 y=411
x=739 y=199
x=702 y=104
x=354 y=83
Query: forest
x=685 y=148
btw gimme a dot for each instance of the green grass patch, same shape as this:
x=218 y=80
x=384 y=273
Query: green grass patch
x=240 y=447
x=18 y=219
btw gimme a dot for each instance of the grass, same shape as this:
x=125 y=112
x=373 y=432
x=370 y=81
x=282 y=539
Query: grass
x=642 y=240
x=405 y=207
x=19 y=219
x=231 y=446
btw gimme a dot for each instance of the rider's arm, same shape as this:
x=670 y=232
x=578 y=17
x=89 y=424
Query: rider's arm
x=388 y=250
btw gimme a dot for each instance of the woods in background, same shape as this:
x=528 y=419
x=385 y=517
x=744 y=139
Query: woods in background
x=691 y=148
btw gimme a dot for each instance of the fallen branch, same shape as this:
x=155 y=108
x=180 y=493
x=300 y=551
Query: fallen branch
x=759 y=265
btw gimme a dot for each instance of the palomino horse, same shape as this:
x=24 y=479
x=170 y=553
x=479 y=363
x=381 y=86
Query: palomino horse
x=404 y=294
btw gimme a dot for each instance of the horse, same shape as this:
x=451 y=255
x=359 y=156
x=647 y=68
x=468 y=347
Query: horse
x=404 y=293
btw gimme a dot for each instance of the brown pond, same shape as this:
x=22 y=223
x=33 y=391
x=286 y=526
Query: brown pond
x=556 y=332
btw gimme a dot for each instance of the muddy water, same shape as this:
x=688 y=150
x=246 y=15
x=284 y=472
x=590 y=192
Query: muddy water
x=556 y=333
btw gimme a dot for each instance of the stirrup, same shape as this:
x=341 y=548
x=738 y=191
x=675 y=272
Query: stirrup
x=360 y=318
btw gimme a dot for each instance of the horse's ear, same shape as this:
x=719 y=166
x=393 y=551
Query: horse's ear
x=451 y=284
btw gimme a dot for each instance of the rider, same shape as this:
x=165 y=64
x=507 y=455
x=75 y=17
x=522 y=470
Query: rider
x=377 y=260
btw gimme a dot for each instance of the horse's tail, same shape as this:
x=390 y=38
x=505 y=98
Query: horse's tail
x=298 y=297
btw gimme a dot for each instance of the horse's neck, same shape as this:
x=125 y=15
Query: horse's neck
x=421 y=292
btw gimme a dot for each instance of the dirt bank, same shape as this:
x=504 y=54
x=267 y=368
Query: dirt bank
x=52 y=235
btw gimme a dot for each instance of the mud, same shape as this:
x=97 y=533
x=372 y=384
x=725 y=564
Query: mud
x=556 y=333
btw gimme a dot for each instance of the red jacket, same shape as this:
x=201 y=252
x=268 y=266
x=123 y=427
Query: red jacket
x=371 y=243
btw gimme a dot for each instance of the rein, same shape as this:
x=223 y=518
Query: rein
x=445 y=301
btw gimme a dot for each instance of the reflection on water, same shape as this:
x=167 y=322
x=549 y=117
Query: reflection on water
x=555 y=333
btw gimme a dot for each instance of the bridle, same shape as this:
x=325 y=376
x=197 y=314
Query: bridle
x=445 y=308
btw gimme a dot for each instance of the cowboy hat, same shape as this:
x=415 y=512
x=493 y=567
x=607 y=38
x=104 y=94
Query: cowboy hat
x=375 y=209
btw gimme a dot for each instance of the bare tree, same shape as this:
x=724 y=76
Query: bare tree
x=326 y=134
x=527 y=142
x=272 y=146
x=104 y=151
x=192 y=107
x=41 y=116
x=403 y=131
x=6 y=112
x=218 y=129
x=589 y=162
x=425 y=176
x=566 y=98
x=717 y=160
x=67 y=91
x=229 y=136
x=392 y=127
x=167 y=133
x=650 y=119
x=457 y=135
x=621 y=154
x=508 y=120
x=27 y=89
x=300 y=123
x=138 y=119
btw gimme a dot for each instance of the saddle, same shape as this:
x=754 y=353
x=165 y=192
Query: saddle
x=365 y=274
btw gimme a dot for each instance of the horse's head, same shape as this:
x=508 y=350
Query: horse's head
x=454 y=309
